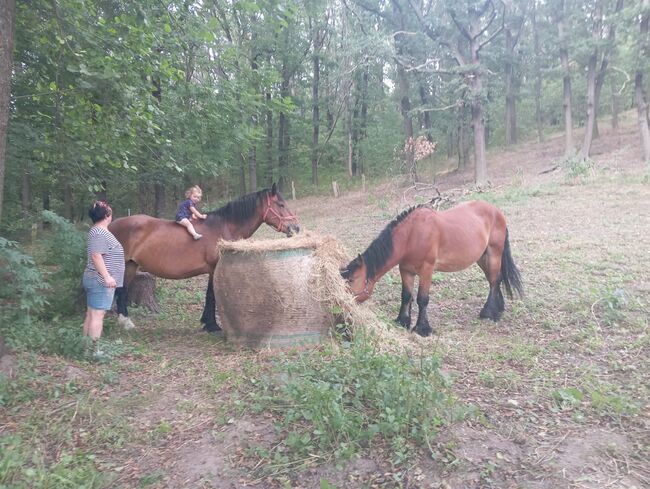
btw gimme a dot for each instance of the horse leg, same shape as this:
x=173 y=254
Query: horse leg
x=422 y=326
x=490 y=263
x=209 y=318
x=404 y=316
x=121 y=296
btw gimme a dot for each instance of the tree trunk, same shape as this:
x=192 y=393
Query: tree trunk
x=160 y=204
x=592 y=109
x=252 y=167
x=283 y=130
x=363 y=123
x=403 y=91
x=538 y=77
x=142 y=292
x=566 y=83
x=25 y=194
x=511 y=114
x=639 y=89
x=463 y=141
x=7 y=27
x=242 y=174
x=315 y=117
x=269 y=143
x=68 y=202
x=616 y=106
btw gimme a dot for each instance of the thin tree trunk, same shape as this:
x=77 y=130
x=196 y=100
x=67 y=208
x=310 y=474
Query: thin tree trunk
x=252 y=165
x=591 y=84
x=269 y=143
x=511 y=114
x=538 y=77
x=566 y=83
x=315 y=117
x=160 y=202
x=26 y=194
x=7 y=27
x=363 y=123
x=616 y=106
x=639 y=89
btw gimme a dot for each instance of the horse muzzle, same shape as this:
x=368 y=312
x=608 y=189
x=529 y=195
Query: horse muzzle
x=292 y=229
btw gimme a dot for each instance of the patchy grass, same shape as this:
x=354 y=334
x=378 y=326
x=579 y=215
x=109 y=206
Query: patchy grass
x=558 y=388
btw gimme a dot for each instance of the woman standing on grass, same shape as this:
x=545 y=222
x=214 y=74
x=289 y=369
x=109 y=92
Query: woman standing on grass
x=104 y=271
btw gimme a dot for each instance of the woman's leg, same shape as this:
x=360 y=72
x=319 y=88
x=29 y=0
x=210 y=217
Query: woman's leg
x=95 y=318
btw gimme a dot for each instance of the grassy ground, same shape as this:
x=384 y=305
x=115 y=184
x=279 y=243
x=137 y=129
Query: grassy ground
x=559 y=387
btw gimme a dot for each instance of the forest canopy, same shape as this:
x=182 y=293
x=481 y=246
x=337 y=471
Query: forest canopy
x=135 y=101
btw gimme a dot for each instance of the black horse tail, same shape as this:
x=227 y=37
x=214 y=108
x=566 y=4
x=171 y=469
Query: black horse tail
x=509 y=272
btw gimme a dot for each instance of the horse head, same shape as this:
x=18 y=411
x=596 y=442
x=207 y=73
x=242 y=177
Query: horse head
x=277 y=213
x=355 y=275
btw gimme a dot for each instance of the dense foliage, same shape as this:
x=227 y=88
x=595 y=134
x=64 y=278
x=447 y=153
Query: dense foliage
x=135 y=101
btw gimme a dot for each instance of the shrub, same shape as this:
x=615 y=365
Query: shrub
x=22 y=286
x=65 y=251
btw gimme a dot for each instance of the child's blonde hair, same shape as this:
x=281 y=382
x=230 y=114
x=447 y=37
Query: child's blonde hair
x=193 y=190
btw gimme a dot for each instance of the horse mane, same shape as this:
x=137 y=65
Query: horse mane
x=241 y=209
x=381 y=248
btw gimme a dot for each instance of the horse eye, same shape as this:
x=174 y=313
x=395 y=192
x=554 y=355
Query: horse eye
x=281 y=206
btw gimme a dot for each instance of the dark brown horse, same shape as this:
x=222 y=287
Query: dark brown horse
x=167 y=250
x=421 y=241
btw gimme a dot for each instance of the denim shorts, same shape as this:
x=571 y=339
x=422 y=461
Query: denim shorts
x=98 y=296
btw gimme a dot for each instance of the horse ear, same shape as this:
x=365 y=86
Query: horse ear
x=359 y=259
x=274 y=189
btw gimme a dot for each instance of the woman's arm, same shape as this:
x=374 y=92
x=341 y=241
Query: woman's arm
x=100 y=266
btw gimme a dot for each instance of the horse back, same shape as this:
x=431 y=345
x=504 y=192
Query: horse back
x=459 y=236
x=132 y=231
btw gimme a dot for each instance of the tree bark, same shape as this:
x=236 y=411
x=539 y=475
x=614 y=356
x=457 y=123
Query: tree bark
x=7 y=28
x=538 y=77
x=510 y=95
x=616 y=106
x=566 y=83
x=592 y=82
x=142 y=292
x=25 y=194
x=639 y=89
x=315 y=116
x=160 y=203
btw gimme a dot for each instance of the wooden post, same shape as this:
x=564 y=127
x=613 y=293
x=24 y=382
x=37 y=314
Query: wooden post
x=363 y=182
x=293 y=190
x=335 y=188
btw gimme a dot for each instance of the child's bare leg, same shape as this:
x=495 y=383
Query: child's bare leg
x=185 y=222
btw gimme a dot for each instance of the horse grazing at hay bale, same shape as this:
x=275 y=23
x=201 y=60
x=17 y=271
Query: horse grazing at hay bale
x=422 y=240
x=166 y=250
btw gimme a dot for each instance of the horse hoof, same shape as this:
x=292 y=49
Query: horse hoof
x=125 y=322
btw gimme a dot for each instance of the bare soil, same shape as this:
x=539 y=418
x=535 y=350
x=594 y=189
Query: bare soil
x=560 y=383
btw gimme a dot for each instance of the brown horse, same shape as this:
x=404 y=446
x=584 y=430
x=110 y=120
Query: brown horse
x=421 y=241
x=167 y=250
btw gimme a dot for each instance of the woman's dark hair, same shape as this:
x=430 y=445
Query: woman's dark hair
x=99 y=211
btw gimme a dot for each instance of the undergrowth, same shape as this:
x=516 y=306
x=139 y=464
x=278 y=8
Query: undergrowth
x=334 y=405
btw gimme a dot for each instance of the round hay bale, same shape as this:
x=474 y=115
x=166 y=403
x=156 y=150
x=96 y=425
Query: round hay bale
x=267 y=295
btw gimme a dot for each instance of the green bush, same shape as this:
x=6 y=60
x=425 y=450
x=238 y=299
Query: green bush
x=65 y=253
x=22 y=288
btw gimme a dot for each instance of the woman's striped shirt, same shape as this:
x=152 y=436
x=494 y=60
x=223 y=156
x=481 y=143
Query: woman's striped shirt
x=102 y=241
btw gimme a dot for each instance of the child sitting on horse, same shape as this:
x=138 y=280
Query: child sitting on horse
x=187 y=210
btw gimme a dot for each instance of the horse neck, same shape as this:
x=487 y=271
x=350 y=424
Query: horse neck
x=244 y=230
x=393 y=260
